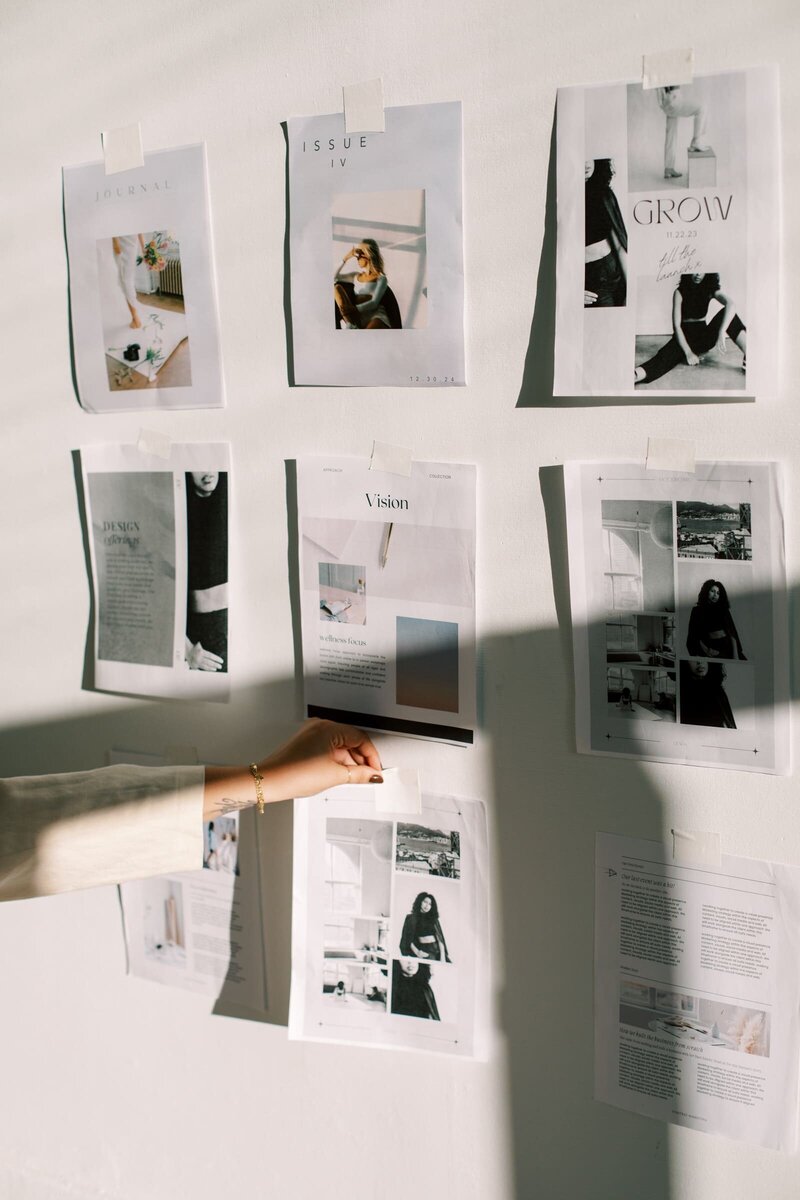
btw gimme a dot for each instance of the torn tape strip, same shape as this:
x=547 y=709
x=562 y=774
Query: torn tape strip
x=670 y=454
x=122 y=149
x=394 y=459
x=363 y=107
x=695 y=849
x=399 y=792
x=667 y=67
x=152 y=442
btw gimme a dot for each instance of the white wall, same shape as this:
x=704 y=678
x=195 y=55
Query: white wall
x=118 y=1088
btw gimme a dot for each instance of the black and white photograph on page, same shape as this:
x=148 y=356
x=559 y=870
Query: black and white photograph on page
x=679 y=232
x=380 y=955
x=376 y=246
x=653 y=679
x=158 y=547
x=142 y=290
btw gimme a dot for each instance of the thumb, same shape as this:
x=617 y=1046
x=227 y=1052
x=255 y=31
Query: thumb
x=364 y=775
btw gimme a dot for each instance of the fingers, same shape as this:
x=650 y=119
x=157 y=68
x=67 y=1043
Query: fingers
x=364 y=775
x=349 y=737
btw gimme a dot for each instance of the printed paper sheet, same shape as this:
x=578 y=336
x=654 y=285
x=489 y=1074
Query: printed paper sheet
x=158 y=544
x=375 y=229
x=669 y=239
x=389 y=929
x=143 y=302
x=387 y=571
x=679 y=613
x=697 y=990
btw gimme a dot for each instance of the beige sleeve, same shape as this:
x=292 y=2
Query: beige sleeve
x=61 y=832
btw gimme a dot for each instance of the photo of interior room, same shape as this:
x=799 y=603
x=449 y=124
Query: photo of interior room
x=358 y=862
x=145 y=333
x=342 y=593
x=645 y=639
x=637 y=553
x=644 y=695
x=163 y=923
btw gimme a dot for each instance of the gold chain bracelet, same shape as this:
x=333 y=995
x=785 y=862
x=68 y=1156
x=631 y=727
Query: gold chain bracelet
x=258 y=779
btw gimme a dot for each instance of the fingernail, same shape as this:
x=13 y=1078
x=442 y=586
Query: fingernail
x=376 y=779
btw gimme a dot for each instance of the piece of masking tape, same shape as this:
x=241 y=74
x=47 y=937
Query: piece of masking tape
x=695 y=849
x=670 y=454
x=667 y=67
x=363 y=107
x=150 y=441
x=122 y=149
x=399 y=792
x=394 y=459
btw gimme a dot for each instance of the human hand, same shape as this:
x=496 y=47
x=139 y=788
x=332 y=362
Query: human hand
x=589 y=298
x=691 y=358
x=712 y=653
x=322 y=754
x=199 y=659
x=722 y=343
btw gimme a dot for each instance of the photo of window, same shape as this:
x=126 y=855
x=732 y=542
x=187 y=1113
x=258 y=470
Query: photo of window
x=358 y=860
x=145 y=335
x=638 y=541
x=645 y=640
x=379 y=260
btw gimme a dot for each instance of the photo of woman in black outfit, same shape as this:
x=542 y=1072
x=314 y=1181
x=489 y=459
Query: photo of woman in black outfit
x=412 y=994
x=606 y=243
x=692 y=334
x=712 y=632
x=207 y=552
x=422 y=935
x=703 y=698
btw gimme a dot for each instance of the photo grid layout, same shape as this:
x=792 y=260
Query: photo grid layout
x=679 y=612
x=391 y=941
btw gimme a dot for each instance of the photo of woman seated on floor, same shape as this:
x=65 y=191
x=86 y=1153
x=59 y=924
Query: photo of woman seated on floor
x=640 y=695
x=379 y=249
x=695 y=336
x=145 y=334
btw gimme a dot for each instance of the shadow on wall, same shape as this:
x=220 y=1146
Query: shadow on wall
x=548 y=804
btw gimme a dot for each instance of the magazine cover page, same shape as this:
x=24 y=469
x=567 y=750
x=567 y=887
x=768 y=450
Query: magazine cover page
x=697 y=989
x=387 y=572
x=375 y=227
x=158 y=543
x=669 y=239
x=143 y=302
x=679 y=613
x=389 y=924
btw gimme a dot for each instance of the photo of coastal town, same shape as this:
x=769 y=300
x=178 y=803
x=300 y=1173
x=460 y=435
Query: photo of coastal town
x=428 y=851
x=714 y=531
